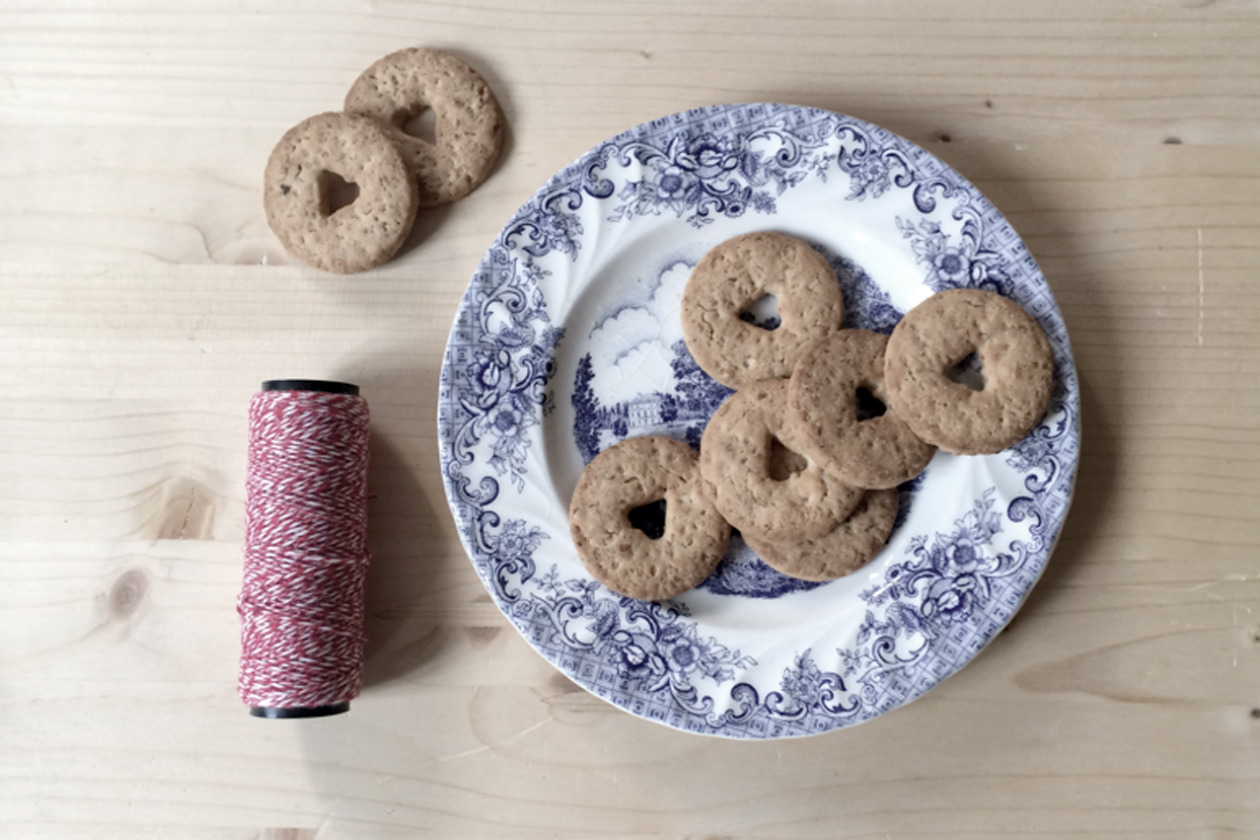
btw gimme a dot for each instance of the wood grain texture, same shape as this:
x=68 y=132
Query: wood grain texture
x=142 y=299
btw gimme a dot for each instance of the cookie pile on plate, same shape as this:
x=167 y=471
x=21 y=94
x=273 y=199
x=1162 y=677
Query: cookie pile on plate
x=342 y=189
x=805 y=457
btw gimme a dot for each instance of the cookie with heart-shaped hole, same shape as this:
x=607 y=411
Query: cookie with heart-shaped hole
x=338 y=194
x=836 y=397
x=641 y=522
x=1016 y=375
x=759 y=491
x=728 y=341
x=468 y=123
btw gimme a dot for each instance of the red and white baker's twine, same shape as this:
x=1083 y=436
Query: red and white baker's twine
x=306 y=556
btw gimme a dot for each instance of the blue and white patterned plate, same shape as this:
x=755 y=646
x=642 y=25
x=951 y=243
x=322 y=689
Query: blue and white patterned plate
x=568 y=340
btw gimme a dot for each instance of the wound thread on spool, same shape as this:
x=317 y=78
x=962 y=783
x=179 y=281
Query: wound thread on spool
x=306 y=557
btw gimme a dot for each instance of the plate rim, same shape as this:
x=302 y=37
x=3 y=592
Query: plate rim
x=684 y=120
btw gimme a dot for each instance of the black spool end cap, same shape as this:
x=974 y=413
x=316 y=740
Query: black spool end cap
x=317 y=385
x=300 y=712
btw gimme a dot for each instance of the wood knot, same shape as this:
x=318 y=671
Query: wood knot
x=128 y=593
x=482 y=637
x=186 y=510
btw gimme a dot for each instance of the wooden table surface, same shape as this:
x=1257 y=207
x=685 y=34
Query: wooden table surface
x=143 y=298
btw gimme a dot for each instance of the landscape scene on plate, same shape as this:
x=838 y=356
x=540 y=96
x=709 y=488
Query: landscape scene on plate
x=935 y=605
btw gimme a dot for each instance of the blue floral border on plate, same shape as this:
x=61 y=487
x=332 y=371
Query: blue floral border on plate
x=937 y=606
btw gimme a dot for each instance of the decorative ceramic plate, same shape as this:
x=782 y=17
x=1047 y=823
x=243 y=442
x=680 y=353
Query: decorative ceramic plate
x=568 y=340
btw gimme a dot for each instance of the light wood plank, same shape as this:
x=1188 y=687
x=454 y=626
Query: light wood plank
x=142 y=299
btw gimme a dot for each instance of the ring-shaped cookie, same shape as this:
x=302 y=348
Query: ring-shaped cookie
x=736 y=452
x=1017 y=364
x=738 y=273
x=296 y=193
x=841 y=551
x=634 y=473
x=877 y=452
x=468 y=131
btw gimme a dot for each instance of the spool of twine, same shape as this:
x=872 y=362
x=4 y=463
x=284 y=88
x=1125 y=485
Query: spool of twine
x=306 y=557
